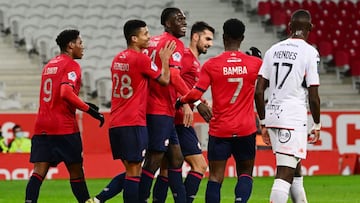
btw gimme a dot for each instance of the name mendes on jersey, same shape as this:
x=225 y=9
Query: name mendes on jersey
x=121 y=66
x=234 y=70
x=285 y=55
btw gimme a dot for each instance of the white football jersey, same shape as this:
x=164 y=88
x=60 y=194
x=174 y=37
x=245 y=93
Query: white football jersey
x=286 y=65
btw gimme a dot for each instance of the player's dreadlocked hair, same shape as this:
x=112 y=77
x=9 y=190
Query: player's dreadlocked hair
x=131 y=28
x=234 y=29
x=201 y=26
x=166 y=13
x=65 y=37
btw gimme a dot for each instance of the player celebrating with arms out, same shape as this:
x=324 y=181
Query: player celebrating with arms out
x=232 y=129
x=57 y=136
x=289 y=70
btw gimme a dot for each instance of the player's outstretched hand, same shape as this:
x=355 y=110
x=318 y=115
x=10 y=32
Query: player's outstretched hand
x=94 y=112
x=205 y=111
x=166 y=51
x=254 y=52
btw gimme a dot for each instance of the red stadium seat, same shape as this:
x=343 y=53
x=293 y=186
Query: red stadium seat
x=279 y=20
x=264 y=8
x=312 y=7
x=292 y=5
x=341 y=58
x=342 y=62
x=347 y=5
x=312 y=38
x=355 y=73
x=355 y=67
x=328 y=5
x=325 y=50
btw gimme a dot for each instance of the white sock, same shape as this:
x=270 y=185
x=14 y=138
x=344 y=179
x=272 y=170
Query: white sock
x=297 y=191
x=280 y=191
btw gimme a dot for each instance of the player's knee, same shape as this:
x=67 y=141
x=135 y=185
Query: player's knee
x=199 y=166
x=176 y=161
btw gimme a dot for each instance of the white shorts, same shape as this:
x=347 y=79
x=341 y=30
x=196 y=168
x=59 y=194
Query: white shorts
x=290 y=142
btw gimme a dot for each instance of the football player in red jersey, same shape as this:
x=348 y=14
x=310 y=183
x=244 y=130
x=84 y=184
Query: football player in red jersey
x=163 y=140
x=57 y=136
x=131 y=71
x=202 y=36
x=232 y=129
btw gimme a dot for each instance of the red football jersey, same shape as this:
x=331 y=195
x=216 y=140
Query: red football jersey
x=162 y=99
x=232 y=76
x=56 y=116
x=190 y=74
x=130 y=71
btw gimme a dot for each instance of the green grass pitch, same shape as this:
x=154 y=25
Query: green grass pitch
x=319 y=189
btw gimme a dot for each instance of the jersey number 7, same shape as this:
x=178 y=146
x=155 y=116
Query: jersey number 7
x=289 y=65
x=238 y=88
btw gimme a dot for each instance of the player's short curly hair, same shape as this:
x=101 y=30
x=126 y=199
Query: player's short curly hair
x=131 y=28
x=300 y=20
x=166 y=13
x=234 y=29
x=65 y=37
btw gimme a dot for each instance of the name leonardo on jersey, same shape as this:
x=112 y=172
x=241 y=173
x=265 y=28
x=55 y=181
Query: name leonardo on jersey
x=285 y=55
x=234 y=70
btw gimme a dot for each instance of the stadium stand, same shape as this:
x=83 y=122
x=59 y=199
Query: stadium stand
x=29 y=28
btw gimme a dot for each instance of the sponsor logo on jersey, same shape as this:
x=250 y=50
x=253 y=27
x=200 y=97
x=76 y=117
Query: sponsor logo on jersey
x=176 y=56
x=72 y=76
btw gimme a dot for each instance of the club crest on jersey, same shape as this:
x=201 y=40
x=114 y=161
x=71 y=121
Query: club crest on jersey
x=284 y=135
x=154 y=66
x=176 y=56
x=72 y=76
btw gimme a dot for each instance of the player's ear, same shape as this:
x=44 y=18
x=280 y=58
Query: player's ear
x=134 y=38
x=196 y=36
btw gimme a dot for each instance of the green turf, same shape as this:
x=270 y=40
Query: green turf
x=320 y=189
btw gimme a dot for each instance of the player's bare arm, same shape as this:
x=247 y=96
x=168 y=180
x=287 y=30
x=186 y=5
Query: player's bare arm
x=314 y=104
x=165 y=53
x=261 y=85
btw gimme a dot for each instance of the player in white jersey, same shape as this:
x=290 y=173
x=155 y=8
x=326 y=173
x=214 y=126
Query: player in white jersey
x=290 y=72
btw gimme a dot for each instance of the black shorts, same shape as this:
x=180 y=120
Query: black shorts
x=189 y=142
x=56 y=148
x=129 y=143
x=242 y=148
x=161 y=132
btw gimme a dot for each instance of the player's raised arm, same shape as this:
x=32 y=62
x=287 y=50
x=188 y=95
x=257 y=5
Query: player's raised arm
x=165 y=54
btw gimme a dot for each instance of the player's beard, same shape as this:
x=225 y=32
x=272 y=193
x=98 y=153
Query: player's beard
x=200 y=49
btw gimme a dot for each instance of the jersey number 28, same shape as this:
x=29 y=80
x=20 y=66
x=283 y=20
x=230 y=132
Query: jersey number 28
x=122 y=86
